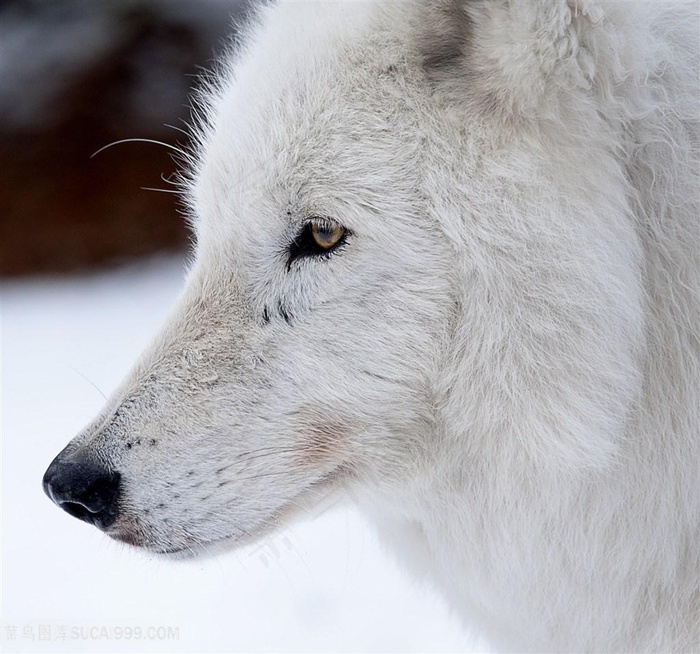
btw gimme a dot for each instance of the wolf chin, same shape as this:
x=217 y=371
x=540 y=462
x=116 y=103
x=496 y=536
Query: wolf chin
x=446 y=257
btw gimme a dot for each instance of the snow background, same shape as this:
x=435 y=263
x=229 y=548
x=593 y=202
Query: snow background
x=322 y=585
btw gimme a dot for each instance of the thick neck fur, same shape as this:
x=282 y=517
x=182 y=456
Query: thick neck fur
x=566 y=509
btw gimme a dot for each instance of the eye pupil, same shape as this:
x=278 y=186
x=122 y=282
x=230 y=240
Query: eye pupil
x=326 y=236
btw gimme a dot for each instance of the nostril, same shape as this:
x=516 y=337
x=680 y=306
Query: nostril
x=77 y=510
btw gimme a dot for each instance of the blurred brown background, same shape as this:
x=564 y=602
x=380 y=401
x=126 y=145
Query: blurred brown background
x=76 y=75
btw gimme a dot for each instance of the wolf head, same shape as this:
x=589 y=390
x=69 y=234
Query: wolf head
x=399 y=271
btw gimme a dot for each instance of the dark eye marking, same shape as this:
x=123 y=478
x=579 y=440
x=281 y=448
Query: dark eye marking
x=282 y=311
x=285 y=314
x=319 y=237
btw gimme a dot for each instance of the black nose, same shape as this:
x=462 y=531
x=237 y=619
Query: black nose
x=83 y=488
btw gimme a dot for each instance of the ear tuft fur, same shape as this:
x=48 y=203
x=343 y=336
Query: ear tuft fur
x=501 y=55
x=445 y=37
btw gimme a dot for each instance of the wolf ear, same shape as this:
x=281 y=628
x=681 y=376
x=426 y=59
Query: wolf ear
x=501 y=54
x=443 y=37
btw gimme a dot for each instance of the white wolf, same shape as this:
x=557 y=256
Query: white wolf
x=447 y=255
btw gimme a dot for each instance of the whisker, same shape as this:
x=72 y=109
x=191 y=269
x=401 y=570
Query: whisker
x=266 y=474
x=160 y=190
x=140 y=140
x=179 y=129
x=256 y=454
x=89 y=381
x=167 y=179
x=260 y=453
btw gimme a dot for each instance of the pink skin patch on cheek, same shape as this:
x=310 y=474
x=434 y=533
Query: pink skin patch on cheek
x=322 y=442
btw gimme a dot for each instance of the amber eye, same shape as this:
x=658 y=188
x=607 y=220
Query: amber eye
x=320 y=237
x=326 y=234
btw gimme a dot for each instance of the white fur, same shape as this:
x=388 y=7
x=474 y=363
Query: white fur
x=502 y=363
